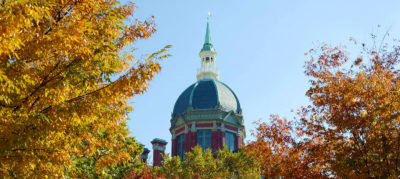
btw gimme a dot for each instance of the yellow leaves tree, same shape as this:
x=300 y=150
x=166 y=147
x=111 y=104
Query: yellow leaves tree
x=66 y=74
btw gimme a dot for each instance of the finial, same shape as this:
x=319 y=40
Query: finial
x=208 y=16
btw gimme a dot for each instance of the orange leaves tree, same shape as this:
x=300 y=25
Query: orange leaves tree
x=281 y=153
x=352 y=126
x=66 y=74
x=355 y=109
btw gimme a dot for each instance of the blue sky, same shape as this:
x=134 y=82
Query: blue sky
x=260 y=46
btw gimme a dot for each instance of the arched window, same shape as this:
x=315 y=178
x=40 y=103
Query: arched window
x=230 y=141
x=180 y=146
x=204 y=139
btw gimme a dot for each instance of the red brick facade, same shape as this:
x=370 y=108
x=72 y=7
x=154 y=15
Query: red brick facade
x=174 y=151
x=217 y=140
x=190 y=139
x=217 y=136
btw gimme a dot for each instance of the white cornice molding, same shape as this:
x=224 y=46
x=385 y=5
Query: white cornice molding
x=157 y=147
x=173 y=135
x=186 y=129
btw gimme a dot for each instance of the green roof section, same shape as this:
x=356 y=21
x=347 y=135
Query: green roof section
x=207 y=46
x=159 y=141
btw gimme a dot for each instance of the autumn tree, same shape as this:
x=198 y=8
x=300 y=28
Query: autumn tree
x=66 y=74
x=282 y=154
x=351 y=129
x=355 y=109
x=85 y=166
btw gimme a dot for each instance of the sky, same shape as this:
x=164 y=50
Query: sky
x=260 y=46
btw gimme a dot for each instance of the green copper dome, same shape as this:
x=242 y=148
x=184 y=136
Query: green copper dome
x=207 y=94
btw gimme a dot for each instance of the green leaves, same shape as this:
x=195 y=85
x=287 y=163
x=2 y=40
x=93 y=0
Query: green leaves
x=199 y=164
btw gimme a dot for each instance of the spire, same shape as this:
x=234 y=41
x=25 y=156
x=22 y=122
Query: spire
x=208 y=56
x=207 y=46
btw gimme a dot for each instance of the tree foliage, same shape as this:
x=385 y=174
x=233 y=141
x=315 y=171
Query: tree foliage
x=66 y=74
x=281 y=154
x=355 y=111
x=352 y=127
x=199 y=164
x=85 y=166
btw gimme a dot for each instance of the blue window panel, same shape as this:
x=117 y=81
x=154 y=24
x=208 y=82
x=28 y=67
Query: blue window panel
x=204 y=139
x=230 y=141
x=180 y=146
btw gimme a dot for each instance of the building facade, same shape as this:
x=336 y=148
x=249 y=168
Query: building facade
x=208 y=112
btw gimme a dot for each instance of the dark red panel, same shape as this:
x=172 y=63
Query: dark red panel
x=179 y=130
x=231 y=127
x=174 y=151
x=157 y=158
x=217 y=140
x=204 y=125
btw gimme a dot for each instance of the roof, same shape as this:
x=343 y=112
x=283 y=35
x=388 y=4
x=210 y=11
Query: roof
x=207 y=94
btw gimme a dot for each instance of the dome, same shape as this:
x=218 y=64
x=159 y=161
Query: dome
x=207 y=94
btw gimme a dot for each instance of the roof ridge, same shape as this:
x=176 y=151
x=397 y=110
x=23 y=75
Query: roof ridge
x=216 y=91
x=191 y=93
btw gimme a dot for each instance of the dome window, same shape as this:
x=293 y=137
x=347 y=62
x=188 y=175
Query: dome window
x=230 y=141
x=180 y=146
x=204 y=139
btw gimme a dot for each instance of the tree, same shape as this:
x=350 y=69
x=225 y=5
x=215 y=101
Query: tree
x=351 y=129
x=85 y=166
x=199 y=164
x=66 y=74
x=282 y=154
x=355 y=109
x=239 y=165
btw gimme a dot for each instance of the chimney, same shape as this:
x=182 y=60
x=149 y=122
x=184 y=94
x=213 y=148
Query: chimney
x=158 y=151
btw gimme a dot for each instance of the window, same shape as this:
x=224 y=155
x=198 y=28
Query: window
x=204 y=139
x=180 y=146
x=230 y=141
